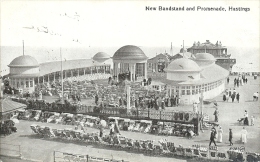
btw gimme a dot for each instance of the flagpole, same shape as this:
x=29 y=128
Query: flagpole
x=23 y=47
x=61 y=77
x=183 y=49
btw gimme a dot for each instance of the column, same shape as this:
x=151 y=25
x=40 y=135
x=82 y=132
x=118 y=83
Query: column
x=38 y=80
x=131 y=71
x=65 y=74
x=134 y=66
x=49 y=78
x=33 y=84
x=71 y=73
x=43 y=79
x=145 y=70
x=114 y=69
x=128 y=97
x=54 y=76
x=170 y=91
x=78 y=72
x=84 y=71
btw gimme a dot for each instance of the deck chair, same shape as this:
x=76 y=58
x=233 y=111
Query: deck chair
x=165 y=148
x=137 y=145
x=189 y=152
x=78 y=135
x=150 y=147
x=180 y=151
x=34 y=128
x=221 y=156
x=171 y=147
x=129 y=144
x=116 y=142
x=204 y=153
x=67 y=133
x=158 y=150
x=122 y=142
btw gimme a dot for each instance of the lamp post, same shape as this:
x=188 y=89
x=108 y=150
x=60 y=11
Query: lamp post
x=201 y=111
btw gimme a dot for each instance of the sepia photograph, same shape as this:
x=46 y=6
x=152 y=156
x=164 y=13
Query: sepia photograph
x=129 y=81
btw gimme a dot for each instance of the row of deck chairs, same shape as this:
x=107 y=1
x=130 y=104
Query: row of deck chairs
x=147 y=147
x=89 y=77
x=67 y=157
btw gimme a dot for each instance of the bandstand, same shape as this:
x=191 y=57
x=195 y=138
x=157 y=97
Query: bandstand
x=131 y=61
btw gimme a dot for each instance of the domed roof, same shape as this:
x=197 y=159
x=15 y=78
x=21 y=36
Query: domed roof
x=129 y=52
x=183 y=64
x=24 y=60
x=101 y=56
x=205 y=57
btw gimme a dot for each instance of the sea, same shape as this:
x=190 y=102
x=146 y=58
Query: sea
x=243 y=55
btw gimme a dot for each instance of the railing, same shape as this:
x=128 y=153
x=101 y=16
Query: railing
x=10 y=150
x=171 y=116
x=63 y=156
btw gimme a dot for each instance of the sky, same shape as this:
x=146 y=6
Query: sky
x=92 y=24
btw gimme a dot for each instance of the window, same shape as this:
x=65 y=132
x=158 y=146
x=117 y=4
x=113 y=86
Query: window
x=188 y=92
x=183 y=92
x=193 y=91
x=140 y=69
x=31 y=83
x=27 y=84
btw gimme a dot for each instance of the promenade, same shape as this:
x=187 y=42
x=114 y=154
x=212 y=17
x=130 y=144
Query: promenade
x=34 y=147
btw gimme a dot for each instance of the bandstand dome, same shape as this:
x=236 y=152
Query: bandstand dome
x=183 y=64
x=205 y=57
x=129 y=52
x=101 y=56
x=24 y=61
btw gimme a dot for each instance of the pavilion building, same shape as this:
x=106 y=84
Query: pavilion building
x=188 y=78
x=23 y=70
x=131 y=60
x=162 y=60
x=219 y=51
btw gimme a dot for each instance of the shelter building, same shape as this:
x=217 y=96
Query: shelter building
x=26 y=72
x=189 y=79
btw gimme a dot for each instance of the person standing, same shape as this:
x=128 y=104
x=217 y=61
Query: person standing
x=229 y=93
x=252 y=120
x=216 y=113
x=230 y=137
x=220 y=132
x=195 y=107
x=96 y=99
x=246 y=118
x=244 y=135
x=224 y=97
x=233 y=97
x=228 y=80
x=212 y=137
x=237 y=97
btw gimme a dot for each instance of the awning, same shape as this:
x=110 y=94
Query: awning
x=9 y=106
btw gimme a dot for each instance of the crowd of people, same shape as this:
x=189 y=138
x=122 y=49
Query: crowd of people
x=231 y=94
